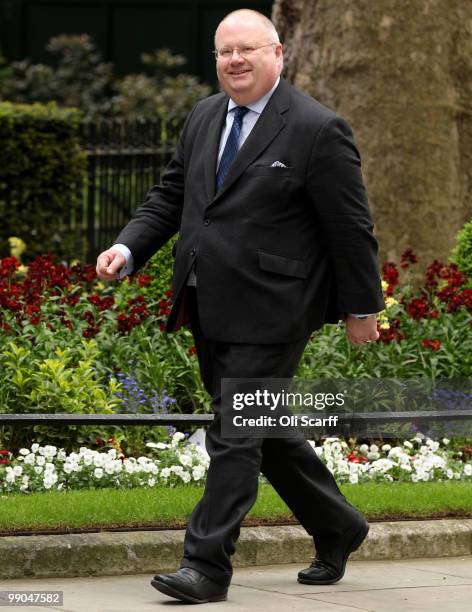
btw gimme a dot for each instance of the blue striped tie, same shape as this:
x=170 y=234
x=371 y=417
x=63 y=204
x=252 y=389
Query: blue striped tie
x=231 y=147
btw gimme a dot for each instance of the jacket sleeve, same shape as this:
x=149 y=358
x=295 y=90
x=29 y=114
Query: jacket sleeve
x=158 y=218
x=336 y=191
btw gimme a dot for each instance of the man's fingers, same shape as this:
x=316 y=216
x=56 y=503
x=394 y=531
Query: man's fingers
x=109 y=264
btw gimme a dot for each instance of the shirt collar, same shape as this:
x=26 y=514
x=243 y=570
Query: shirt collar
x=259 y=105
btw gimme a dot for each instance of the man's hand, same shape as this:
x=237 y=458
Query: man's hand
x=361 y=331
x=109 y=264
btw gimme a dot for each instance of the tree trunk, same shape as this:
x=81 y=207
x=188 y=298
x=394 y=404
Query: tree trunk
x=401 y=73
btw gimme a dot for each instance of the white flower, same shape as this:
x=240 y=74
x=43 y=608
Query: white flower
x=24 y=451
x=68 y=467
x=50 y=451
x=198 y=472
x=177 y=469
x=468 y=469
x=49 y=481
x=10 y=474
x=165 y=472
x=318 y=450
x=185 y=460
x=98 y=472
x=38 y=469
x=34 y=448
x=449 y=474
x=373 y=455
x=18 y=470
x=185 y=476
x=374 y=448
x=364 y=449
x=445 y=441
x=129 y=466
x=30 y=459
x=407 y=444
x=151 y=481
x=177 y=437
x=40 y=460
x=386 y=448
x=88 y=460
x=112 y=453
x=158 y=445
x=353 y=478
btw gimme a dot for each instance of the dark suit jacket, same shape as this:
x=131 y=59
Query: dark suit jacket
x=279 y=250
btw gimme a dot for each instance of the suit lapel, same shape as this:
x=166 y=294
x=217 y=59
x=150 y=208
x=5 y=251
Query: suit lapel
x=211 y=146
x=267 y=127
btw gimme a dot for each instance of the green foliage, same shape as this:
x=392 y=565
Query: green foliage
x=41 y=169
x=81 y=79
x=462 y=253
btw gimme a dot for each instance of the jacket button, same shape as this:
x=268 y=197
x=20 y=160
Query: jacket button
x=206 y=221
x=194 y=251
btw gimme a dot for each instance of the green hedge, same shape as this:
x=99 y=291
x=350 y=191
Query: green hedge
x=42 y=170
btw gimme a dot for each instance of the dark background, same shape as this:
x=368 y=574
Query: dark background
x=121 y=29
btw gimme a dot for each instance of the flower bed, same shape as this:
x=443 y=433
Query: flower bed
x=178 y=461
x=69 y=343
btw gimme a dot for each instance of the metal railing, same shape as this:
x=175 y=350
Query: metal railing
x=369 y=418
x=125 y=158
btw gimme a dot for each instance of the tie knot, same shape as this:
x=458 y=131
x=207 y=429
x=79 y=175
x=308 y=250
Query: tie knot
x=240 y=111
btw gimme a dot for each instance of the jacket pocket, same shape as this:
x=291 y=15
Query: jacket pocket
x=282 y=265
x=273 y=171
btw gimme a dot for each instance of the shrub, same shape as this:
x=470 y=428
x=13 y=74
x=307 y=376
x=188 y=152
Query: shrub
x=462 y=253
x=81 y=79
x=41 y=171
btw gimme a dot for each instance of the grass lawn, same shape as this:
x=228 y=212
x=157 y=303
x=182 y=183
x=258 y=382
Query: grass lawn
x=165 y=507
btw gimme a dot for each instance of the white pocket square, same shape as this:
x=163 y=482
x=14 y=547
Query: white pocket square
x=278 y=164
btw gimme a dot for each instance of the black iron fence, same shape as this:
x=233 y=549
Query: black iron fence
x=125 y=158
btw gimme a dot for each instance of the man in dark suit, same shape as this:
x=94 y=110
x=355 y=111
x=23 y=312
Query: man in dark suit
x=275 y=239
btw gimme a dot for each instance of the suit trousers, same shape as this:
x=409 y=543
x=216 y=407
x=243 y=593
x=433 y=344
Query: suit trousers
x=290 y=464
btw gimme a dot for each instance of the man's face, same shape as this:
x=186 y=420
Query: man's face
x=246 y=79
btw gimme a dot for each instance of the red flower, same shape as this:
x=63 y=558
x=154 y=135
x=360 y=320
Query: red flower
x=144 y=280
x=192 y=351
x=4 y=461
x=417 y=308
x=99 y=442
x=353 y=457
x=8 y=266
x=407 y=258
x=390 y=273
x=4 y=452
x=434 y=345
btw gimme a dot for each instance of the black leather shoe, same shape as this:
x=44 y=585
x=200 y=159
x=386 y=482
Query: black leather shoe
x=189 y=585
x=329 y=568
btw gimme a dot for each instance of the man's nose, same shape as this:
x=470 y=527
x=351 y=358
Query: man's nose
x=238 y=57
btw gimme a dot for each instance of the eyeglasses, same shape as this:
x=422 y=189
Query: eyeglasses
x=226 y=53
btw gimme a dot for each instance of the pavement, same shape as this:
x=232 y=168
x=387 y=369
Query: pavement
x=370 y=586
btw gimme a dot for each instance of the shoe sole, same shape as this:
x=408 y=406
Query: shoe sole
x=167 y=589
x=361 y=536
